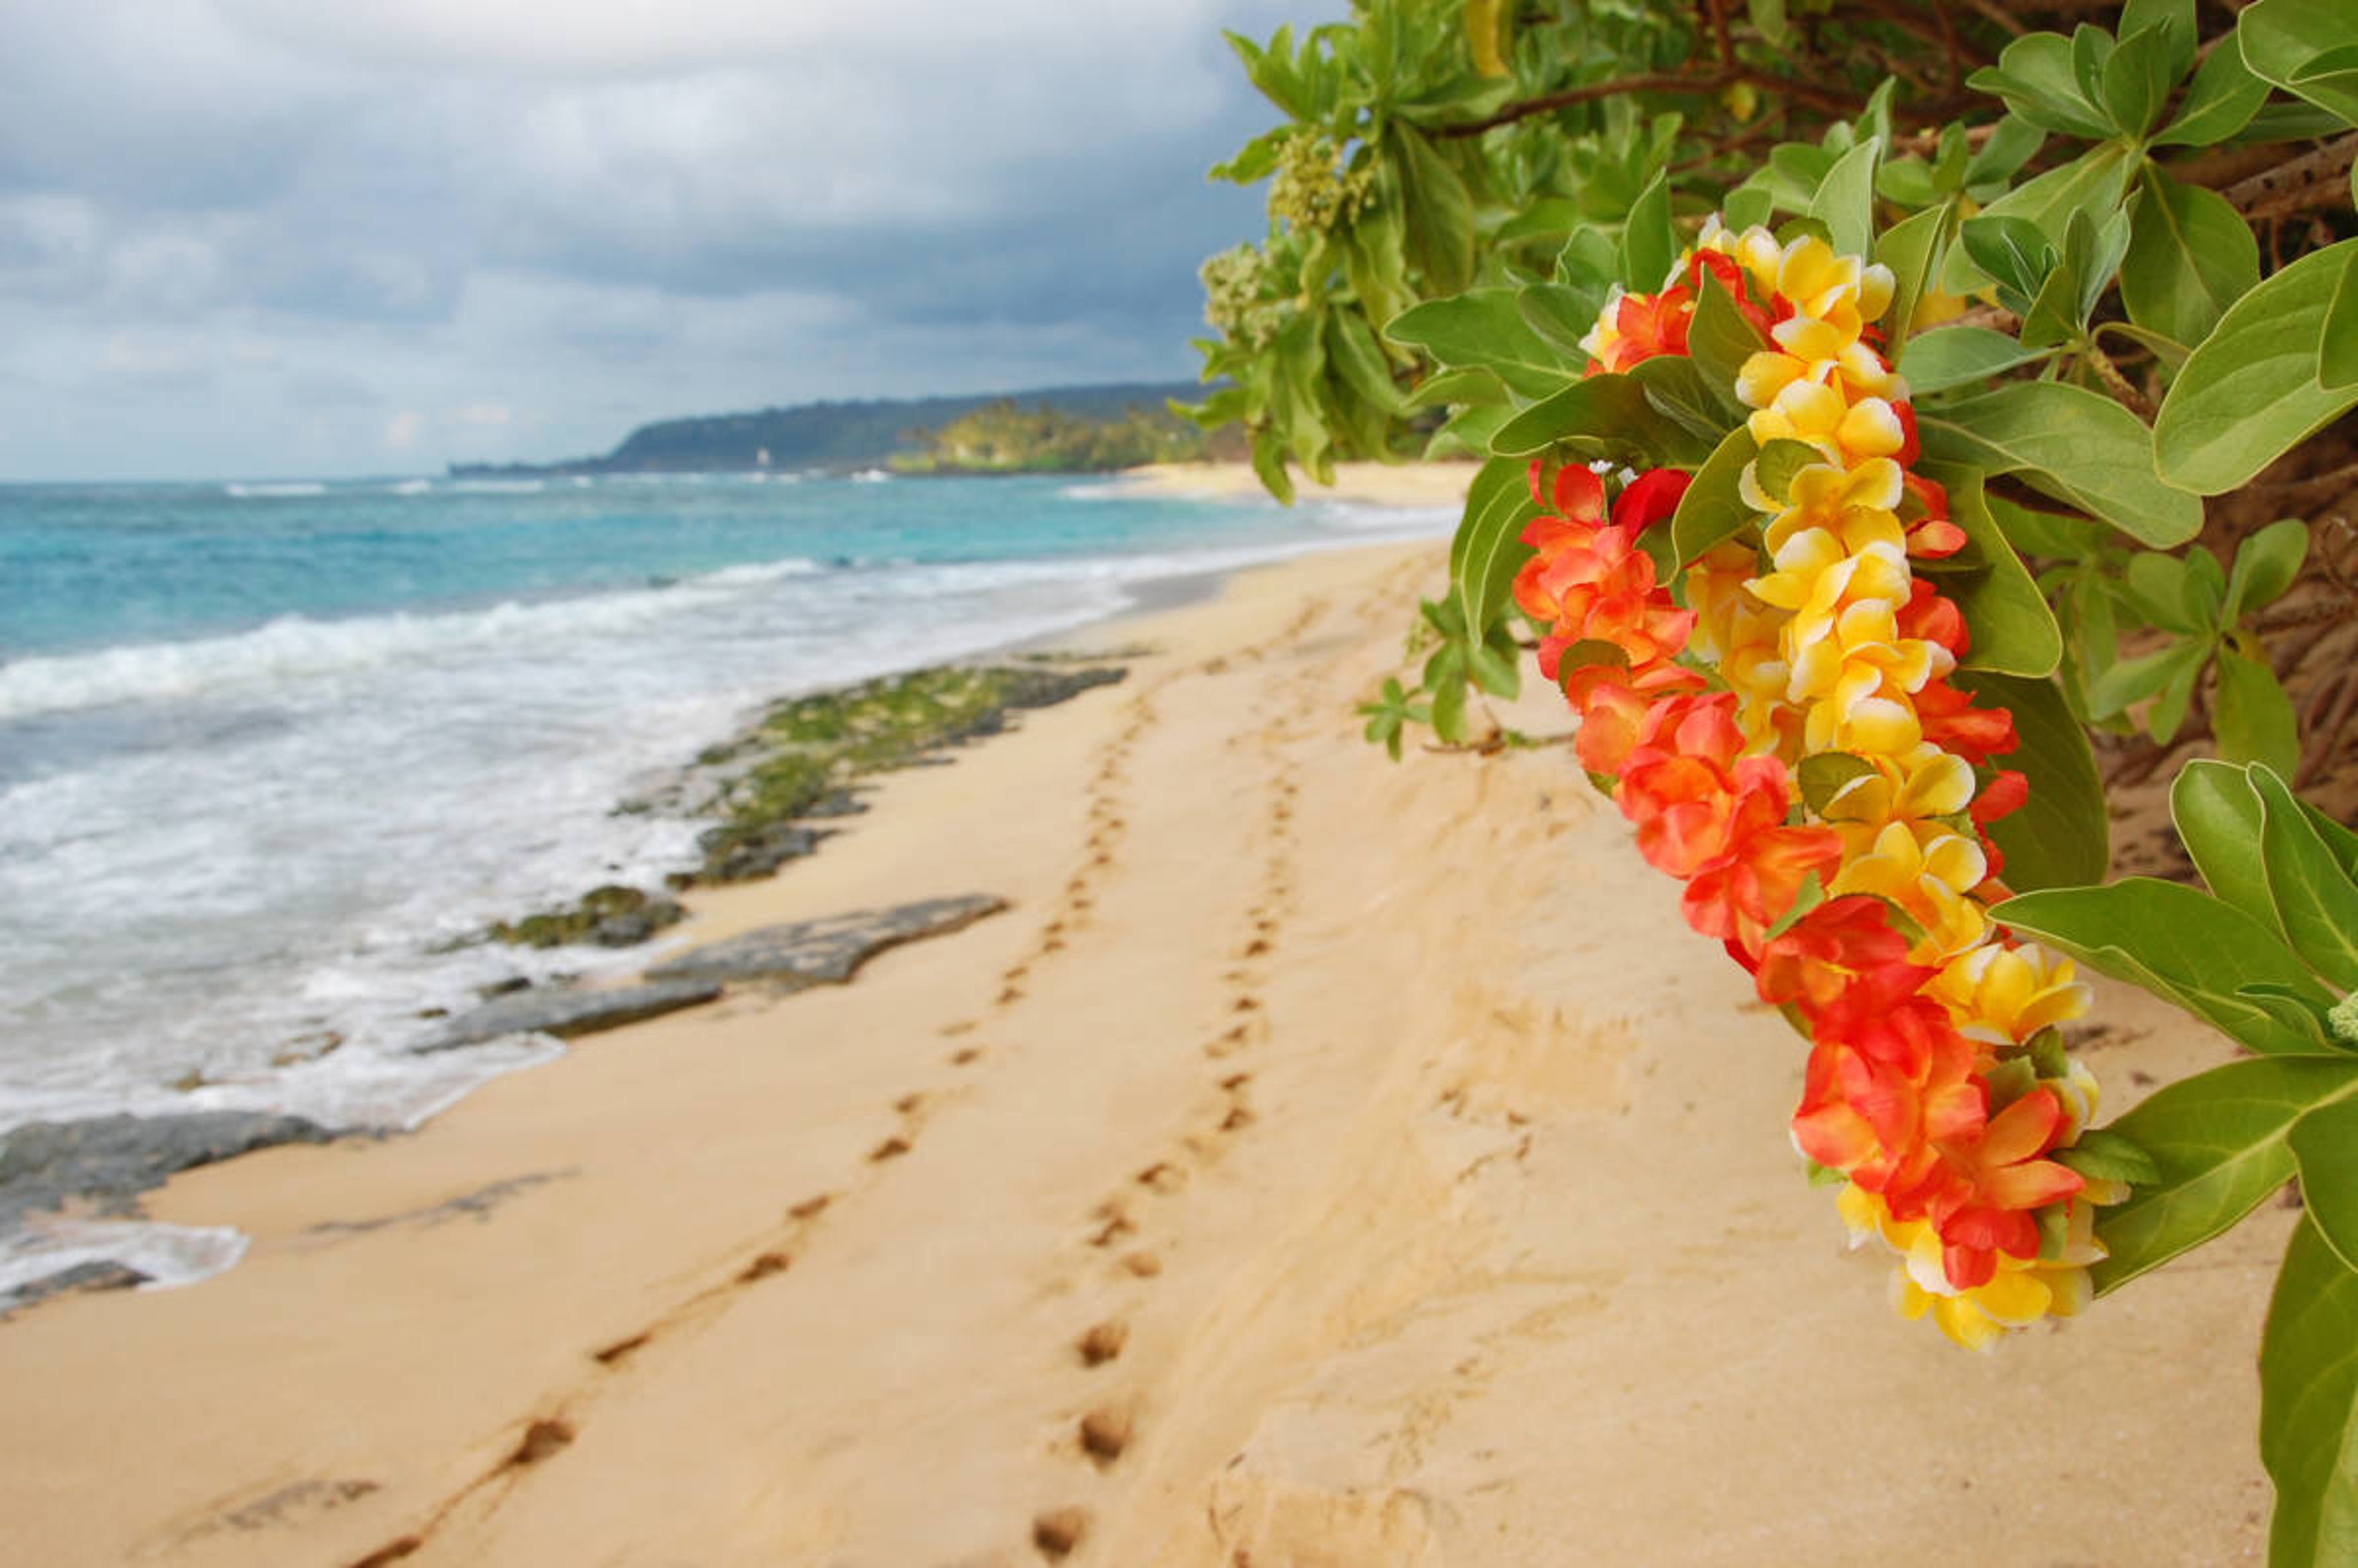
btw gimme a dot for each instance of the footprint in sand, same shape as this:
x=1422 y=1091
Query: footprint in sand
x=1058 y=1530
x=1103 y=1341
x=1105 y=1432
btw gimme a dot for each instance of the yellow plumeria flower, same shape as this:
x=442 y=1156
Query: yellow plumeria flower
x=2005 y=995
x=1820 y=494
x=1756 y=250
x=1809 y=349
x=1820 y=281
x=2018 y=1294
x=1848 y=433
x=1930 y=883
x=1914 y=787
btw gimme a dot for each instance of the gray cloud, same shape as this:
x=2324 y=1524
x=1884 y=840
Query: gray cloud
x=272 y=235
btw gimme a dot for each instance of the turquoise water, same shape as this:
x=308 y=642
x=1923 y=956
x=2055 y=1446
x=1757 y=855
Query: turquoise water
x=267 y=751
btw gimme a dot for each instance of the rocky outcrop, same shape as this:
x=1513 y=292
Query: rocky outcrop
x=824 y=952
x=567 y=1013
x=609 y=916
x=96 y=1274
x=111 y=1160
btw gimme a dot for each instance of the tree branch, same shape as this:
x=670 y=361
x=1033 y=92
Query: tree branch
x=2296 y=183
x=1701 y=86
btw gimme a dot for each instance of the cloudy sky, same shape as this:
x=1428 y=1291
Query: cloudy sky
x=321 y=237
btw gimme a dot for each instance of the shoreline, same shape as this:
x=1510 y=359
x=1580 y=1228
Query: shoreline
x=116 y=1247
x=1320 y=1160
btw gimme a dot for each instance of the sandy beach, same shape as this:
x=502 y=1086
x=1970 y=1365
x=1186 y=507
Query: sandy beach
x=1322 y=1163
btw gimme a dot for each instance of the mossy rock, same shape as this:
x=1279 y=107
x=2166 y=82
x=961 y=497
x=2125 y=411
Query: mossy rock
x=609 y=916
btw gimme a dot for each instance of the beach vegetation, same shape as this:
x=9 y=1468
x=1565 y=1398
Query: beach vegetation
x=1911 y=439
x=1006 y=438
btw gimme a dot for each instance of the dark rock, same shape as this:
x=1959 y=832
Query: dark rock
x=114 y=1159
x=97 y=1274
x=508 y=986
x=839 y=803
x=822 y=952
x=634 y=926
x=567 y=1013
x=743 y=852
x=610 y=916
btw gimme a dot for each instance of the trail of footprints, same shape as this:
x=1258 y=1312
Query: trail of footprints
x=555 y=1428
x=1108 y=1422
x=1107 y=1428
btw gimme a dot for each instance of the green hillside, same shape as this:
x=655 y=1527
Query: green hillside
x=851 y=435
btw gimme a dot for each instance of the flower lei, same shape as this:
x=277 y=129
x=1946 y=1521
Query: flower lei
x=1936 y=1086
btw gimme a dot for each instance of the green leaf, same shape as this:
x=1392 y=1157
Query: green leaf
x=2250 y=392
x=2014 y=252
x=1474 y=386
x=1439 y=209
x=2303 y=46
x=1712 y=511
x=1488 y=550
x=1649 y=245
x=1844 y=201
x=1781 y=460
x=1703 y=410
x=1467 y=434
x=2309 y=1405
x=1589 y=262
x=1749 y=205
x=2138 y=77
x=2219 y=1140
x=2221 y=101
x=2181 y=945
x=2092 y=183
x=2078 y=446
x=2014 y=142
x=2267 y=563
x=1449 y=710
x=1352 y=349
x=1823 y=775
x=2036 y=77
x=1912 y=249
x=2253 y=717
x=1484 y=328
x=2337 y=354
x=2316 y=901
x=1949 y=357
x=1602 y=416
x=2061 y=837
x=1719 y=339
x=2218 y=816
x=2131 y=681
x=2325 y=1147
x=1560 y=313
x=1493 y=671
x=2013 y=632
x=2102 y=1154
x=2338 y=839
x=2178 y=16
x=2156 y=588
x=2190 y=257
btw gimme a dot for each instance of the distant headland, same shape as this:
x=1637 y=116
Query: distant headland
x=904 y=433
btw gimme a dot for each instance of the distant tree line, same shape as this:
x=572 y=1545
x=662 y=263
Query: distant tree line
x=1003 y=437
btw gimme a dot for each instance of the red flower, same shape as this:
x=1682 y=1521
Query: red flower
x=1645 y=326
x=1648 y=499
x=1952 y=722
x=1846 y=945
x=1999 y=1176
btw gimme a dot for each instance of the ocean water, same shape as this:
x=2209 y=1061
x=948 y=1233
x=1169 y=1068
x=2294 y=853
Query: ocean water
x=269 y=750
